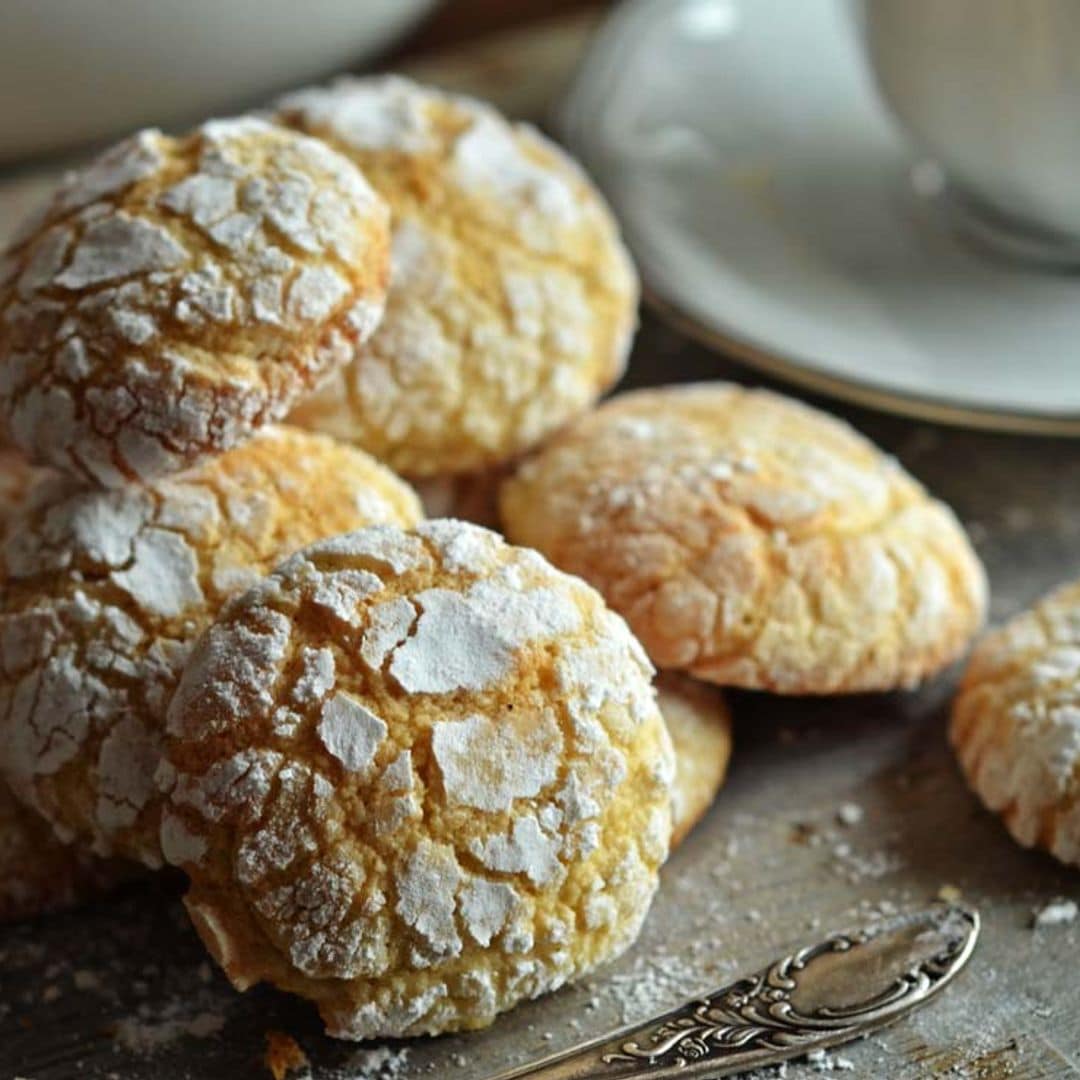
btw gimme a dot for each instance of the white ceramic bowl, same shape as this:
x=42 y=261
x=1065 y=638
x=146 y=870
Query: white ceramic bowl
x=71 y=72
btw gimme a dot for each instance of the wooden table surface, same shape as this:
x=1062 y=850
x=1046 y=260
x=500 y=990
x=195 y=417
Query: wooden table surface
x=123 y=989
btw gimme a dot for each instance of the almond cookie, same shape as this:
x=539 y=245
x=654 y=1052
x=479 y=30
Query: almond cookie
x=753 y=541
x=417 y=777
x=512 y=300
x=106 y=591
x=1016 y=724
x=699 y=723
x=178 y=294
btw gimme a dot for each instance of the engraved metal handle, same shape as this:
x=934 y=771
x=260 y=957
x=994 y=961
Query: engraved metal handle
x=825 y=994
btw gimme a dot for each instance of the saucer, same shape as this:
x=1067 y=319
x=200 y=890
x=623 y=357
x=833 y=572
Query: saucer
x=777 y=213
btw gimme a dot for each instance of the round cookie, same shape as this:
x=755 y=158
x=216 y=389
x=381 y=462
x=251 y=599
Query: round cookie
x=1016 y=724
x=38 y=874
x=699 y=723
x=106 y=591
x=753 y=541
x=512 y=301
x=177 y=294
x=417 y=777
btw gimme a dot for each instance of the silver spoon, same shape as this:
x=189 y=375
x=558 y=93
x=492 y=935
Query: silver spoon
x=825 y=994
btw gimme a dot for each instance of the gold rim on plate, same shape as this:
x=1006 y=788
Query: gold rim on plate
x=851 y=390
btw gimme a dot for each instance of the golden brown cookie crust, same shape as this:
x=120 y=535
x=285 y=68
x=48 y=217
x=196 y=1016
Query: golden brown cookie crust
x=417 y=777
x=1016 y=724
x=512 y=301
x=699 y=723
x=753 y=541
x=178 y=294
x=106 y=592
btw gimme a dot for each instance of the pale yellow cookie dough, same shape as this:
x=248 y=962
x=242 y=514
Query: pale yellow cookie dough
x=699 y=723
x=753 y=541
x=1016 y=724
x=417 y=777
x=177 y=294
x=512 y=300
x=106 y=591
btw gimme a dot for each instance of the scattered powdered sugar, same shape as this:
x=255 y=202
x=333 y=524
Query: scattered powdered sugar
x=1059 y=912
x=148 y=1036
x=379 y=1063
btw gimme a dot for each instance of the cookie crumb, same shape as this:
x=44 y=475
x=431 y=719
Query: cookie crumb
x=284 y=1055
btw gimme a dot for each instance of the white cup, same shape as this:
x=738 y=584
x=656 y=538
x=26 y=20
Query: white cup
x=990 y=89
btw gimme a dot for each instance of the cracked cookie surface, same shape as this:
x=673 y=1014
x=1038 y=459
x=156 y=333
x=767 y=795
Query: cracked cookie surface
x=38 y=874
x=417 y=777
x=105 y=591
x=699 y=723
x=179 y=293
x=1016 y=724
x=512 y=300
x=753 y=541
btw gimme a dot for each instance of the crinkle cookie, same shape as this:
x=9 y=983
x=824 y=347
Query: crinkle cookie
x=107 y=590
x=178 y=294
x=699 y=723
x=753 y=541
x=512 y=301
x=417 y=777
x=1016 y=724
x=38 y=874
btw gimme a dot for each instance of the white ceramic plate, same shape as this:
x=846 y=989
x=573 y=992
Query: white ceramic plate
x=773 y=207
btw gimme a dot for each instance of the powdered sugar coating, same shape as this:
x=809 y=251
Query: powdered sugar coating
x=753 y=541
x=37 y=873
x=1016 y=724
x=106 y=591
x=512 y=300
x=430 y=856
x=178 y=294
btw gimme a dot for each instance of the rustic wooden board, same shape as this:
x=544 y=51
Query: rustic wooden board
x=124 y=990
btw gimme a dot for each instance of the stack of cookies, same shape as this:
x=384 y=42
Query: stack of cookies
x=413 y=773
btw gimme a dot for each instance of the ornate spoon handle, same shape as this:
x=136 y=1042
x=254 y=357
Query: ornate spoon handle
x=825 y=994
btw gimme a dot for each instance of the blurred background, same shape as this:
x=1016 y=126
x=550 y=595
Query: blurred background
x=75 y=73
